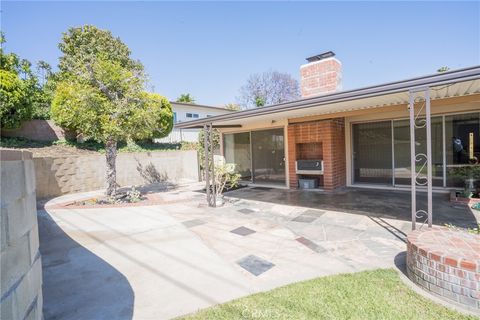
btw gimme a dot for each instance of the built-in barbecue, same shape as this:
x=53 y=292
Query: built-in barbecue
x=310 y=167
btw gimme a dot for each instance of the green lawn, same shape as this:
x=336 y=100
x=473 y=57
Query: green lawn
x=378 y=294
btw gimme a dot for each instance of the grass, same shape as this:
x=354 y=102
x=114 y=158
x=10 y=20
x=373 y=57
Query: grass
x=378 y=294
x=141 y=146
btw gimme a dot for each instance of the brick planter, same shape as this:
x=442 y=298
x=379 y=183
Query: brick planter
x=446 y=262
x=466 y=201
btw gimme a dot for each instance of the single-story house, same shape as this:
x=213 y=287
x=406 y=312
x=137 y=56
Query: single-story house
x=331 y=138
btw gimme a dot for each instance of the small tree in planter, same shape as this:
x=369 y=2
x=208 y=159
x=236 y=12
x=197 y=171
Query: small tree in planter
x=225 y=178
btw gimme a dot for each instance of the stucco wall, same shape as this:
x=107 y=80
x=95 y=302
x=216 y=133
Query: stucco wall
x=21 y=269
x=61 y=175
x=40 y=130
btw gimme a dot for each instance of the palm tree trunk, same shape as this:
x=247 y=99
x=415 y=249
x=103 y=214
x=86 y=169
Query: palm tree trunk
x=111 y=155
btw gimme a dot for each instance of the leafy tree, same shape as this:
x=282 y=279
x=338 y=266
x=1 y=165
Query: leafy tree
x=43 y=98
x=268 y=88
x=14 y=108
x=186 y=98
x=259 y=101
x=29 y=99
x=100 y=93
x=443 y=69
x=233 y=106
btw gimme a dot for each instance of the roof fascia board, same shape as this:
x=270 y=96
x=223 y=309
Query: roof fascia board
x=466 y=74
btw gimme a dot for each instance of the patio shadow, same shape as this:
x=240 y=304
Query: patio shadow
x=77 y=284
x=390 y=204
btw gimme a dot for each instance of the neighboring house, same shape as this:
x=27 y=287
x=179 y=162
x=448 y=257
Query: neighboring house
x=186 y=112
x=361 y=136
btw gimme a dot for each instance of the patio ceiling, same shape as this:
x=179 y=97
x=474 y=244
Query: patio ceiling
x=443 y=85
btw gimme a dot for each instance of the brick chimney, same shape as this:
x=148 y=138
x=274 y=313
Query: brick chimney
x=321 y=75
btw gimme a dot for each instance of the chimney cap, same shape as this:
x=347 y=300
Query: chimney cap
x=321 y=56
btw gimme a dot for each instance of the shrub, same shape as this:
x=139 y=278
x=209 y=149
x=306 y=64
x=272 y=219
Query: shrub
x=14 y=108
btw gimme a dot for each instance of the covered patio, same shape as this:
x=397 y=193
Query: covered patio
x=420 y=134
x=387 y=204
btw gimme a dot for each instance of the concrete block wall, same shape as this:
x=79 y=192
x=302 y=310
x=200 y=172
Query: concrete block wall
x=70 y=174
x=20 y=262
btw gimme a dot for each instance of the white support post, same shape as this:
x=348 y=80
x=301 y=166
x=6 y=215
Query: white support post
x=412 y=160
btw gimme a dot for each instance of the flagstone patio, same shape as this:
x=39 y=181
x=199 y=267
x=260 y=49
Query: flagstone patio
x=166 y=260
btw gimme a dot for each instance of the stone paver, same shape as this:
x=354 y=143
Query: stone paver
x=164 y=261
x=193 y=223
x=255 y=265
x=242 y=231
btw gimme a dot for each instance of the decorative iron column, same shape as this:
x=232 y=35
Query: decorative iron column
x=421 y=161
x=206 y=157
x=212 y=164
x=209 y=165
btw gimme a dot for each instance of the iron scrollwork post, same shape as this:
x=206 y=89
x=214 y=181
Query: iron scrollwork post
x=421 y=161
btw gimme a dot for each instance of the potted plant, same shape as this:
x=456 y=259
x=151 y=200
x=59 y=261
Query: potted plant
x=470 y=174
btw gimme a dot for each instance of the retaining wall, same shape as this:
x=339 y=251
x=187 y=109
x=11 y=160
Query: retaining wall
x=40 y=130
x=70 y=174
x=21 y=268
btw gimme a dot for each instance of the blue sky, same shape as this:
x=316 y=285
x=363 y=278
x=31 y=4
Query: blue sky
x=209 y=49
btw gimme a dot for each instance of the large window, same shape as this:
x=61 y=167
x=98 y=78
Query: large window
x=381 y=151
x=259 y=156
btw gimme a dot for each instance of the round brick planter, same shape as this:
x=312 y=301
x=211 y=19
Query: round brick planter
x=446 y=262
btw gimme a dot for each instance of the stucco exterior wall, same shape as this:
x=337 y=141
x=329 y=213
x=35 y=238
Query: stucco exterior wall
x=62 y=175
x=21 y=268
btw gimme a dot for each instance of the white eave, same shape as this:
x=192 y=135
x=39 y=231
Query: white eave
x=455 y=83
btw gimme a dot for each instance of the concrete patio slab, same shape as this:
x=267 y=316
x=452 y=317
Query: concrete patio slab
x=162 y=261
x=129 y=263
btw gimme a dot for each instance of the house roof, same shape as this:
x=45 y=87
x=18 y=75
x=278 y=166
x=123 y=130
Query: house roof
x=443 y=85
x=194 y=105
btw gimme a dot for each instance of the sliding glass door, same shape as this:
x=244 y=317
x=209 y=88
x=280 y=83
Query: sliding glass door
x=381 y=151
x=372 y=152
x=462 y=144
x=268 y=156
x=236 y=149
x=401 y=133
x=259 y=156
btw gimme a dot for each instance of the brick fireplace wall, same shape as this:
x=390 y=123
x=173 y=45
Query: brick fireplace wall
x=330 y=134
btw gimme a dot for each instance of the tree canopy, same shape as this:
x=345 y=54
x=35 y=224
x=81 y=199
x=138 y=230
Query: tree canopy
x=233 y=106
x=22 y=96
x=186 y=98
x=267 y=88
x=100 y=93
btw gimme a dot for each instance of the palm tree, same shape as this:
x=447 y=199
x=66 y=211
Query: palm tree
x=186 y=98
